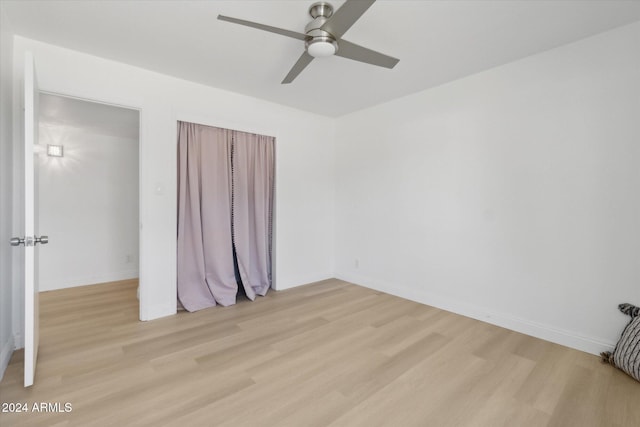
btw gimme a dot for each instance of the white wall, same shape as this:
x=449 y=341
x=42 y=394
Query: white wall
x=88 y=206
x=304 y=162
x=510 y=196
x=6 y=193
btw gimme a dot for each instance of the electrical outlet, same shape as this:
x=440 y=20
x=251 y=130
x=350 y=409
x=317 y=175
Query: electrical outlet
x=356 y=263
x=128 y=258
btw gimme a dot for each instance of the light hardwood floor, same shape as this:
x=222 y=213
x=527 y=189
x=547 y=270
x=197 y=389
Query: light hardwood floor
x=330 y=353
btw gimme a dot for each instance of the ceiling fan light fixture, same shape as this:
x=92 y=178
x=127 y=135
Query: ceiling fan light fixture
x=323 y=35
x=322 y=46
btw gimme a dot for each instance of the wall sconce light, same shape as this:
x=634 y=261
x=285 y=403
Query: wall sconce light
x=55 y=150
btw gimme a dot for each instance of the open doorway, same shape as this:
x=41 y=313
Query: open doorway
x=88 y=193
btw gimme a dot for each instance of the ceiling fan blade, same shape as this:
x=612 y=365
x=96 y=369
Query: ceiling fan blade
x=346 y=16
x=304 y=60
x=281 y=31
x=358 y=53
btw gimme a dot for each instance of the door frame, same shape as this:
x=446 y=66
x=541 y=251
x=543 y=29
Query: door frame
x=138 y=142
x=142 y=282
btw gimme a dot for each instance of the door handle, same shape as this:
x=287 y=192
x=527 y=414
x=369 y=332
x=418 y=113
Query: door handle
x=29 y=241
x=16 y=241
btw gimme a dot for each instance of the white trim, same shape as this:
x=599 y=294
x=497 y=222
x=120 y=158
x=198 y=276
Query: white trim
x=6 y=351
x=303 y=280
x=157 y=311
x=242 y=126
x=593 y=345
x=72 y=282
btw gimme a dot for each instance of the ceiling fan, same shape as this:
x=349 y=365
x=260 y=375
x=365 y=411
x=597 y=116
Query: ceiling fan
x=323 y=36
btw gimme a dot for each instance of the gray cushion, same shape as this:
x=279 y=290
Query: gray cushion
x=626 y=355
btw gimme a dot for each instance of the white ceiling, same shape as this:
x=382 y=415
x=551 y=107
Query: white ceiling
x=436 y=41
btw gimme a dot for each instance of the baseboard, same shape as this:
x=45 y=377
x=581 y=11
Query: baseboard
x=546 y=332
x=18 y=341
x=157 y=312
x=5 y=355
x=281 y=284
x=72 y=282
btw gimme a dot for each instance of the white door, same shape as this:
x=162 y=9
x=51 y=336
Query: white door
x=30 y=239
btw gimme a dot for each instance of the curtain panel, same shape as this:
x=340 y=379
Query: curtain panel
x=225 y=206
x=252 y=211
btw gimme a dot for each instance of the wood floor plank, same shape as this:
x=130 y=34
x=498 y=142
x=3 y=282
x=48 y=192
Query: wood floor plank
x=329 y=353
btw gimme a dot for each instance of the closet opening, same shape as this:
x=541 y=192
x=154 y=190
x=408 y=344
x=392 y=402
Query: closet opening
x=225 y=215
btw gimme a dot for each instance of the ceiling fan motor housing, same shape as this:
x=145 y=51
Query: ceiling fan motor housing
x=319 y=42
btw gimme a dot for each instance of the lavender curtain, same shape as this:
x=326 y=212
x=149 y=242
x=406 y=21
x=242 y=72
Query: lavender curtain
x=225 y=201
x=253 y=174
x=206 y=275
